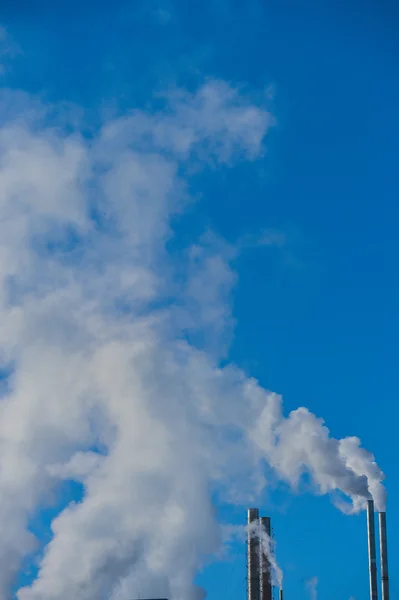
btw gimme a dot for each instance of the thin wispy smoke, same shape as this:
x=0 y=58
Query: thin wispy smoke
x=8 y=50
x=268 y=546
x=111 y=345
x=311 y=585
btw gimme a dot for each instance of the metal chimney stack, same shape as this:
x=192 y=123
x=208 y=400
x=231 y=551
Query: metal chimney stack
x=371 y=546
x=253 y=555
x=382 y=519
x=265 y=567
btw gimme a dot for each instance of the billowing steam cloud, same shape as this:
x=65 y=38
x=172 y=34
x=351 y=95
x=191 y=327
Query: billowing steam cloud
x=111 y=340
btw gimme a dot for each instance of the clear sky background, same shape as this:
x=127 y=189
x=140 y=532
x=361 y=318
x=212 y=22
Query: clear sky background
x=318 y=321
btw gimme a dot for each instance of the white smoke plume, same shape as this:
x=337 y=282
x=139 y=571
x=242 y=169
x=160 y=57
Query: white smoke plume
x=110 y=346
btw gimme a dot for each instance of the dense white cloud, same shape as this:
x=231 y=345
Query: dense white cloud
x=113 y=347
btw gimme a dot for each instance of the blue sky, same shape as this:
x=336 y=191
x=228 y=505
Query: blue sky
x=317 y=320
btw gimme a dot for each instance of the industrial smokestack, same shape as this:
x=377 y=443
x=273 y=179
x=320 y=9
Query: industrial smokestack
x=253 y=555
x=371 y=546
x=382 y=519
x=265 y=566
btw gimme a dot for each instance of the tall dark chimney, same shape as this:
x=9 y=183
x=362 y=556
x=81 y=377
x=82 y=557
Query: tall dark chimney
x=265 y=566
x=253 y=555
x=371 y=546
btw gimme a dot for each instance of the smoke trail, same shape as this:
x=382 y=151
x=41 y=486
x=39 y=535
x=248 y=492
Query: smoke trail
x=302 y=443
x=112 y=347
